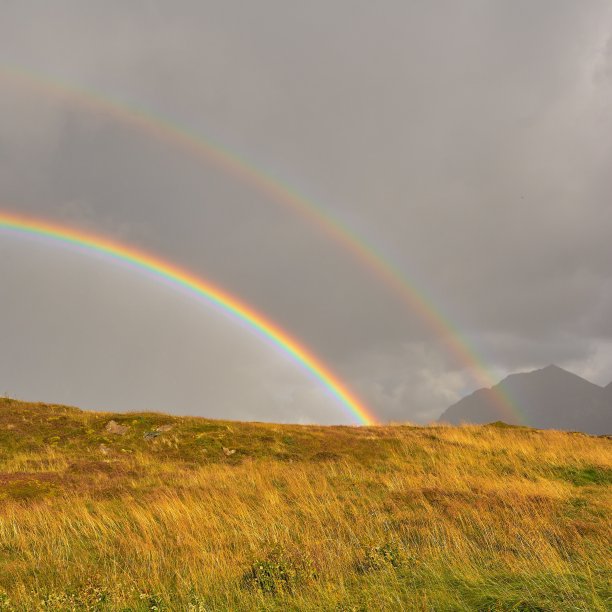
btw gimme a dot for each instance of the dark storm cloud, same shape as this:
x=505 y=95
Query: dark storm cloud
x=469 y=142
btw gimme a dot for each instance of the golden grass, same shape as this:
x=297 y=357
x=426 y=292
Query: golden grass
x=298 y=518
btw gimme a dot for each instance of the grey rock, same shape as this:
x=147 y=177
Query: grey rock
x=114 y=428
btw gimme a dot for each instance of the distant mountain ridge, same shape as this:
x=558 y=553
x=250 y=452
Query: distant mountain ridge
x=550 y=398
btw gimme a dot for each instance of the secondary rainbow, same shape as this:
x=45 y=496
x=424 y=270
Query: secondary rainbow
x=278 y=191
x=181 y=278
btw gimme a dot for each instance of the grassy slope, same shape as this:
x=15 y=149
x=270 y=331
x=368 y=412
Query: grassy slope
x=334 y=518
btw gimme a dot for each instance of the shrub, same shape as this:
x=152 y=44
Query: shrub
x=5 y=603
x=280 y=572
x=379 y=556
x=153 y=602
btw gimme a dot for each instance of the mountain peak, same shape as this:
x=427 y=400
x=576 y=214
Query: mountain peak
x=553 y=370
x=551 y=374
x=547 y=398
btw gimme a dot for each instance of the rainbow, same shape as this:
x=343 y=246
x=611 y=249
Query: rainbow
x=182 y=279
x=279 y=192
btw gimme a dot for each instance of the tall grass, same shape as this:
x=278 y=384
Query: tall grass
x=298 y=518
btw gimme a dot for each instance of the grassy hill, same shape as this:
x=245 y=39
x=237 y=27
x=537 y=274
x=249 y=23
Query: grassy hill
x=152 y=512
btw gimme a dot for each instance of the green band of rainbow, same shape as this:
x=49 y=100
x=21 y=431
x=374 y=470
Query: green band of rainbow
x=233 y=164
x=185 y=280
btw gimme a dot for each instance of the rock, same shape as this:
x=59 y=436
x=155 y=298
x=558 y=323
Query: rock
x=165 y=428
x=228 y=451
x=114 y=428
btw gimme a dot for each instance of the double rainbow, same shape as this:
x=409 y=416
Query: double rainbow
x=231 y=163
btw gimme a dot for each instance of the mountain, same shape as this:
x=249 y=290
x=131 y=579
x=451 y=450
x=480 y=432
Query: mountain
x=550 y=398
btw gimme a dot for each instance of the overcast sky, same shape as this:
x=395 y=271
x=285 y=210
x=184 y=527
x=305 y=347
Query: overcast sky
x=468 y=142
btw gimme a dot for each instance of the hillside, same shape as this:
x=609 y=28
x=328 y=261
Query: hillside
x=152 y=512
x=550 y=398
x=608 y=393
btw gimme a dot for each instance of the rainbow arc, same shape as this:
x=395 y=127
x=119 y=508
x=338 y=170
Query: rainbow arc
x=185 y=280
x=276 y=190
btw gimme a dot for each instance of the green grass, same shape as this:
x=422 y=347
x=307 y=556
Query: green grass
x=584 y=476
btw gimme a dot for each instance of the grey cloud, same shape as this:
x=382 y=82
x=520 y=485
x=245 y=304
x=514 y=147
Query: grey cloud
x=468 y=142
